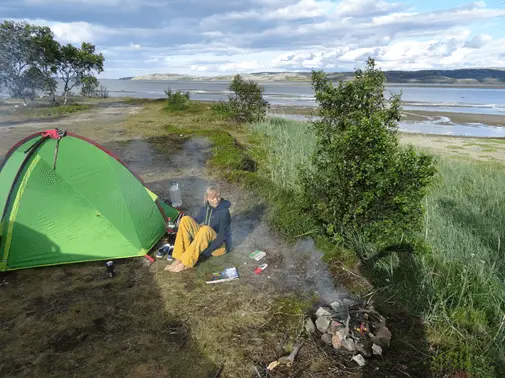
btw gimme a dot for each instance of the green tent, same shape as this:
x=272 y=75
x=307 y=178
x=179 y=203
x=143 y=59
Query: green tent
x=65 y=199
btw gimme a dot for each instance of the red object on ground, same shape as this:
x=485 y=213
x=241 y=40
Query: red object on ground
x=260 y=268
x=149 y=258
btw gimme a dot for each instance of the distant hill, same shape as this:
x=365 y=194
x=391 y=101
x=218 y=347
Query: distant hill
x=126 y=78
x=462 y=76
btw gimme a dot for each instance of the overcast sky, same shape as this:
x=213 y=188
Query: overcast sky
x=203 y=37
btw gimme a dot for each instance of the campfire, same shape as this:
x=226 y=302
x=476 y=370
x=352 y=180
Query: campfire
x=351 y=326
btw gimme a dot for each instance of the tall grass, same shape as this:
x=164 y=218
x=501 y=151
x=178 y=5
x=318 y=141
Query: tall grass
x=456 y=282
x=287 y=145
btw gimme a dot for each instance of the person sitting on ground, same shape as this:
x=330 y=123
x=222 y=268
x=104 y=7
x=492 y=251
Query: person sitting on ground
x=208 y=234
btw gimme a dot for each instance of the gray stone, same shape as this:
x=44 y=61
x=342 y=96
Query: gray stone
x=321 y=311
x=348 y=344
x=326 y=337
x=336 y=340
x=351 y=302
x=337 y=306
x=359 y=359
x=377 y=350
x=309 y=326
x=382 y=337
x=364 y=347
x=323 y=323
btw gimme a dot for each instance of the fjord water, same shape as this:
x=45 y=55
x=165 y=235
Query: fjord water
x=432 y=98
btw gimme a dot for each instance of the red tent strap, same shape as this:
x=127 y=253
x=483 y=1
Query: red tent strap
x=54 y=134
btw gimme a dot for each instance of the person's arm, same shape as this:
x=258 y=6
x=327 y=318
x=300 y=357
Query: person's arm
x=224 y=226
x=199 y=218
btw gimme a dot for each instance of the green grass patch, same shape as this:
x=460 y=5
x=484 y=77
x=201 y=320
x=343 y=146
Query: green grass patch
x=453 y=277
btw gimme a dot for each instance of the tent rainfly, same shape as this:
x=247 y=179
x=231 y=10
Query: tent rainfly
x=65 y=199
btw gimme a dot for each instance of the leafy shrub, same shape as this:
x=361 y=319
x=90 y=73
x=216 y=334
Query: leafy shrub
x=89 y=86
x=177 y=100
x=222 y=109
x=246 y=103
x=360 y=178
x=102 y=92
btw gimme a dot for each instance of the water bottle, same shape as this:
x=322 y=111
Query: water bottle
x=175 y=195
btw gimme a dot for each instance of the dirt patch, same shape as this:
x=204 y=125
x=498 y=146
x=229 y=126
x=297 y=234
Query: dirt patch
x=472 y=148
x=102 y=123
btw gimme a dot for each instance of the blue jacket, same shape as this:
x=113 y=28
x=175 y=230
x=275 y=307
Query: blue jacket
x=219 y=219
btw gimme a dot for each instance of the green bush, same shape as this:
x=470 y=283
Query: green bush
x=222 y=109
x=246 y=104
x=360 y=179
x=177 y=100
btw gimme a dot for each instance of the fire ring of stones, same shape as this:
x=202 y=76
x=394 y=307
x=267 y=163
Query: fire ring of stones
x=352 y=326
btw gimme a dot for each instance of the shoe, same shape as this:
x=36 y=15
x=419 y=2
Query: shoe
x=163 y=251
x=169 y=253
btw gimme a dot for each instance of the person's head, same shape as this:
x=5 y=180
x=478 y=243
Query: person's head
x=213 y=195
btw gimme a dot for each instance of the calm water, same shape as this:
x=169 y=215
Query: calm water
x=439 y=98
x=428 y=98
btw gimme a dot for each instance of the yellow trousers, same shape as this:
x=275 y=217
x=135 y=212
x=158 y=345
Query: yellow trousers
x=191 y=240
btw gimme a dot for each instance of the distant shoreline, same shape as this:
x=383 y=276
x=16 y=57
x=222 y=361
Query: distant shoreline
x=464 y=77
x=308 y=83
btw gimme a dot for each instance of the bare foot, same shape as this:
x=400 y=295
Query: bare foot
x=170 y=267
x=179 y=268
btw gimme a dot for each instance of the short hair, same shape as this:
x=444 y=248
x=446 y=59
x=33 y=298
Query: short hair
x=213 y=188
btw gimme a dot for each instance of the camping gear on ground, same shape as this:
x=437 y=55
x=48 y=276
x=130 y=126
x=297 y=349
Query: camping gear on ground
x=175 y=195
x=226 y=275
x=257 y=255
x=171 y=229
x=260 y=268
x=111 y=271
x=88 y=207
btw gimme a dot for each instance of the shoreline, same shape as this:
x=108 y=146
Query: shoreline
x=413 y=115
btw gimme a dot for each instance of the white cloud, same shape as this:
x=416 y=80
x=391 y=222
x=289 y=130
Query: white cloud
x=78 y=32
x=361 y=8
x=478 y=41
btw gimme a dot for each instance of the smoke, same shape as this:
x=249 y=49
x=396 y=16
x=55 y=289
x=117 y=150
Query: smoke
x=291 y=268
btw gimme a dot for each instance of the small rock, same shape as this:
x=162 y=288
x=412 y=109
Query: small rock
x=359 y=359
x=349 y=344
x=377 y=350
x=351 y=302
x=364 y=347
x=326 y=337
x=337 y=306
x=323 y=323
x=321 y=311
x=336 y=340
x=309 y=326
x=382 y=337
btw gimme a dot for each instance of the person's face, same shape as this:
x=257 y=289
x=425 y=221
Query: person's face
x=213 y=198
